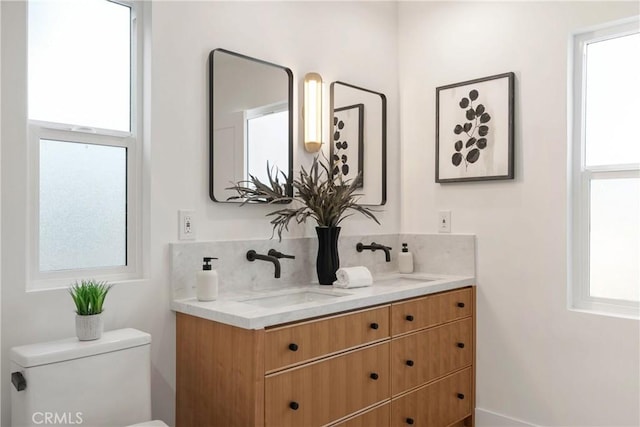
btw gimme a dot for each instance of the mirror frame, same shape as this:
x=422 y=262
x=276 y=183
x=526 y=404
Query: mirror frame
x=383 y=99
x=211 y=122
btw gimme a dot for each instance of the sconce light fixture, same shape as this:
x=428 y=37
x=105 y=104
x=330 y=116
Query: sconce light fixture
x=312 y=112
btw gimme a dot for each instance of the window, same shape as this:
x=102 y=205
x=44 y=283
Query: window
x=84 y=141
x=605 y=171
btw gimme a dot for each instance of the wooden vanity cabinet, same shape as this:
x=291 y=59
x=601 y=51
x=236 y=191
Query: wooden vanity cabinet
x=347 y=370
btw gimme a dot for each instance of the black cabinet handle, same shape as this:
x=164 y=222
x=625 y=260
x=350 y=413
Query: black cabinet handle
x=409 y=318
x=374 y=325
x=461 y=304
x=373 y=376
x=460 y=396
x=293 y=346
x=294 y=406
x=409 y=362
x=409 y=421
x=460 y=345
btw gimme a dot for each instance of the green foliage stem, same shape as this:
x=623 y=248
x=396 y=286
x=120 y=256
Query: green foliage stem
x=88 y=296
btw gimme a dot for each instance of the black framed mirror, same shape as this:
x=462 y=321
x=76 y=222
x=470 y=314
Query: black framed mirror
x=359 y=139
x=250 y=121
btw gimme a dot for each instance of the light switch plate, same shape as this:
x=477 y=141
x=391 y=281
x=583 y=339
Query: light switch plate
x=186 y=225
x=444 y=222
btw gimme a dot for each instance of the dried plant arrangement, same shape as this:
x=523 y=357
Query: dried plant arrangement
x=318 y=195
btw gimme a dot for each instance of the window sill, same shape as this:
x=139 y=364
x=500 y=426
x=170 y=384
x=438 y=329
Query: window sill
x=47 y=285
x=609 y=310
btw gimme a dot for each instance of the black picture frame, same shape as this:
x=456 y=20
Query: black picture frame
x=475 y=130
x=347 y=146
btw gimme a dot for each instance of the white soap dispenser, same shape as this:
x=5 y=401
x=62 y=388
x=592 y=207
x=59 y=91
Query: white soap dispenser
x=207 y=281
x=405 y=260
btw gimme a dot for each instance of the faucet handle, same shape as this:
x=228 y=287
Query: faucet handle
x=277 y=254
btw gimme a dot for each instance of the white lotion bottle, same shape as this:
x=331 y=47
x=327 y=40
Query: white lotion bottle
x=207 y=281
x=405 y=260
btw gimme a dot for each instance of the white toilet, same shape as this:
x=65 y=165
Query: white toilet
x=105 y=382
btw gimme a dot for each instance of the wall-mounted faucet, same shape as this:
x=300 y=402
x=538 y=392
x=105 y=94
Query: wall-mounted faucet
x=375 y=246
x=272 y=256
x=274 y=253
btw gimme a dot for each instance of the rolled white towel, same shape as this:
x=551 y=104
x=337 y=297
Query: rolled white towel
x=353 y=277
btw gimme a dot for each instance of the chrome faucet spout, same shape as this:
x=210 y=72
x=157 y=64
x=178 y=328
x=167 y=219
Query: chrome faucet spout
x=375 y=246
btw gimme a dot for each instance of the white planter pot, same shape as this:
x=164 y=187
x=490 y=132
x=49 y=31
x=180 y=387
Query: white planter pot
x=89 y=327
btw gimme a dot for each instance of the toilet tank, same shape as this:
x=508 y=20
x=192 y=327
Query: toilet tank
x=105 y=382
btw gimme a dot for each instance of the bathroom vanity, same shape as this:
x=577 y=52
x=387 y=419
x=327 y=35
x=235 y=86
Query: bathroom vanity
x=403 y=355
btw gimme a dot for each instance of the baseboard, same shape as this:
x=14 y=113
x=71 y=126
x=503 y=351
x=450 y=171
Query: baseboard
x=485 y=418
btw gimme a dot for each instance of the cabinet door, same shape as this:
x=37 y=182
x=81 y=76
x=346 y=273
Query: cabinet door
x=293 y=344
x=426 y=355
x=439 y=404
x=431 y=310
x=376 y=417
x=321 y=392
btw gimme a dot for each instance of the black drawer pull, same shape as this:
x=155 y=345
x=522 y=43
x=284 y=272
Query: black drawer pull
x=294 y=406
x=461 y=304
x=460 y=345
x=409 y=362
x=460 y=396
x=409 y=318
x=293 y=346
x=374 y=326
x=373 y=376
x=409 y=420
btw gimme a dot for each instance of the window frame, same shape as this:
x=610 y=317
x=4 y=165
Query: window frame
x=132 y=141
x=581 y=176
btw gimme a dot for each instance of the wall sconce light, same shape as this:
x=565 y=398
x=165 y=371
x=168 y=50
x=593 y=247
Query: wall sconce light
x=312 y=112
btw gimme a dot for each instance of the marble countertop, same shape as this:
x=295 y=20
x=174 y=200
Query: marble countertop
x=232 y=308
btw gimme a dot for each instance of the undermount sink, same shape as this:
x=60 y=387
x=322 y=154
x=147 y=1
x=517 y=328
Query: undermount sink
x=400 y=281
x=293 y=298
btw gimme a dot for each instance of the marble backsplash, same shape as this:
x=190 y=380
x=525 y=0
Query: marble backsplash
x=451 y=254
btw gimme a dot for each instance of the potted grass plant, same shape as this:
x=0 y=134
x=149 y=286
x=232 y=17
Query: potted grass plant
x=318 y=194
x=89 y=296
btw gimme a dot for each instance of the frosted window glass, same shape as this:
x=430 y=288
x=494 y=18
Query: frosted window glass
x=265 y=136
x=80 y=63
x=615 y=239
x=612 y=93
x=83 y=206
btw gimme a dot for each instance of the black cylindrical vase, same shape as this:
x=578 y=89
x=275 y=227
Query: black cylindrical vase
x=328 y=261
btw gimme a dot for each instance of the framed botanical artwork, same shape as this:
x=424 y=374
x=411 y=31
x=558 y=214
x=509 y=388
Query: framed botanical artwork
x=347 y=149
x=474 y=130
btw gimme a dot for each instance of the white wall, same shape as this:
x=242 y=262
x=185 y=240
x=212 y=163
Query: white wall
x=537 y=361
x=0 y=200
x=306 y=37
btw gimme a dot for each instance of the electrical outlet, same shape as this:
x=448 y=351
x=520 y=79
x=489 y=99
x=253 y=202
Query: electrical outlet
x=444 y=222
x=186 y=225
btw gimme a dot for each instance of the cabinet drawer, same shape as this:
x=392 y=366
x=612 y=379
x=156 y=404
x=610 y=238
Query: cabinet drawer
x=437 y=405
x=292 y=344
x=430 y=310
x=426 y=355
x=376 y=417
x=324 y=391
